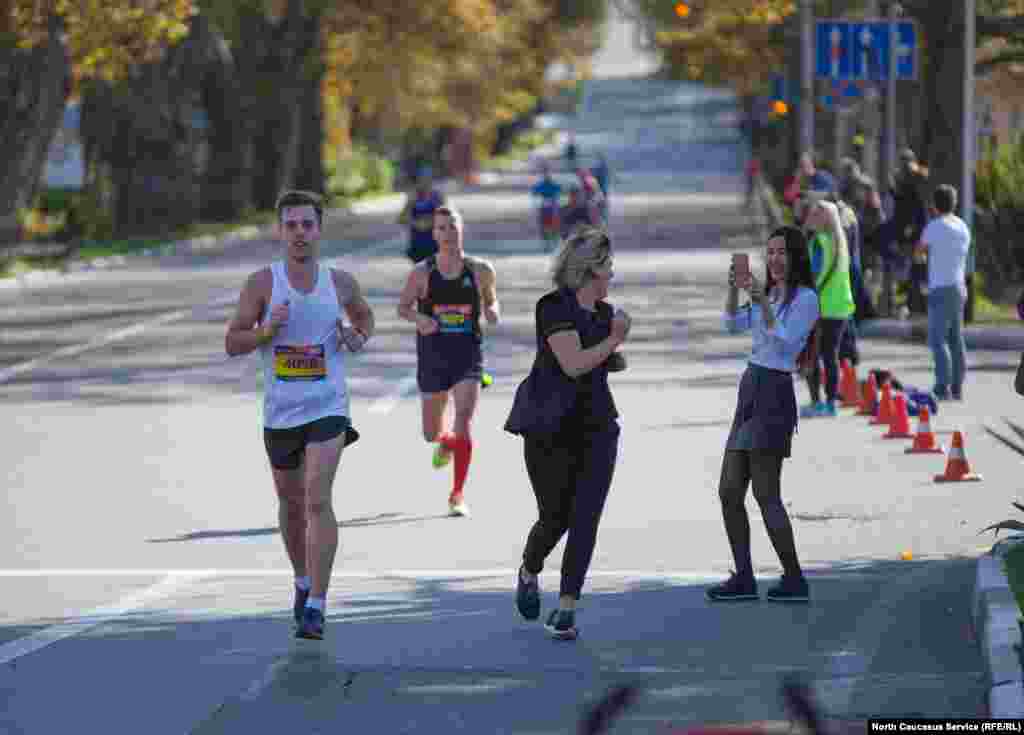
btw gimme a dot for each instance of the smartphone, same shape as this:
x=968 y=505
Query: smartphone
x=741 y=267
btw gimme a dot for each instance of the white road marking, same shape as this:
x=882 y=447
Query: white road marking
x=104 y=339
x=695 y=576
x=117 y=335
x=42 y=638
x=386 y=403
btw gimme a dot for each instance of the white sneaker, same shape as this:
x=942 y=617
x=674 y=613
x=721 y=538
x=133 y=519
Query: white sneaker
x=457 y=507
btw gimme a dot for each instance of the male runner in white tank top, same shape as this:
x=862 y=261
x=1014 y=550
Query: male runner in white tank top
x=291 y=312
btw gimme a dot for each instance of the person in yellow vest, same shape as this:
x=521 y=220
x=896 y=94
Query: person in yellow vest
x=830 y=262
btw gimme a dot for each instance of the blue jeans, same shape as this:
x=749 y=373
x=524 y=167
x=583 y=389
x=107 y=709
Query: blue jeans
x=945 y=337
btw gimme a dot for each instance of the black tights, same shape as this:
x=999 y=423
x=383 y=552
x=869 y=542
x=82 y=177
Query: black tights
x=832 y=331
x=764 y=470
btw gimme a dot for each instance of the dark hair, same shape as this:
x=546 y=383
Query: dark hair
x=297 y=198
x=944 y=198
x=798 y=259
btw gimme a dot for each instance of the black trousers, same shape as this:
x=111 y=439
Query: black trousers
x=828 y=353
x=740 y=469
x=571 y=473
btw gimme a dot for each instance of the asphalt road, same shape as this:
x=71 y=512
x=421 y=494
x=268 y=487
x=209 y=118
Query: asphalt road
x=145 y=586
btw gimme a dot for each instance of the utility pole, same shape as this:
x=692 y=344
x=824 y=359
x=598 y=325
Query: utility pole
x=806 y=76
x=885 y=305
x=968 y=146
x=869 y=162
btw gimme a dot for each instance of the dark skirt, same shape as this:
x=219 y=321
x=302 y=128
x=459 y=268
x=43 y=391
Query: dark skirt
x=765 y=412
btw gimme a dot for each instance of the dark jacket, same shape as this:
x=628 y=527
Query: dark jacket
x=549 y=401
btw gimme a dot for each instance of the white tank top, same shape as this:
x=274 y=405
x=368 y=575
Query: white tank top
x=303 y=368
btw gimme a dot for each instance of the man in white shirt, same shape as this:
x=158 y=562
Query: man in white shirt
x=947 y=241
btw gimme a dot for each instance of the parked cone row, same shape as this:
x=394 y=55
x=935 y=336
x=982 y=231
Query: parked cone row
x=888 y=408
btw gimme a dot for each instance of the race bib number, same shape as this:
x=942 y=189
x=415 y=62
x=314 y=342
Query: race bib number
x=300 y=362
x=454 y=318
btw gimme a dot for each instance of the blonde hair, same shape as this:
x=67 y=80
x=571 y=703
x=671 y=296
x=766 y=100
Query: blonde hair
x=835 y=229
x=585 y=250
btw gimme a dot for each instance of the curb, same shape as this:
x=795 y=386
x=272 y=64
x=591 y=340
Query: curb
x=977 y=338
x=995 y=614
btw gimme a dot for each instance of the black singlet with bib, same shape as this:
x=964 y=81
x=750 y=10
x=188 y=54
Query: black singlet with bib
x=453 y=353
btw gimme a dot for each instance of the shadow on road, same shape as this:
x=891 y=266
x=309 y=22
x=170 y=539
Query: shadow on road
x=380 y=519
x=407 y=654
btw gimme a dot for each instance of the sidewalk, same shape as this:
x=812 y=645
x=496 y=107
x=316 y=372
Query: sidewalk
x=995 y=614
x=978 y=337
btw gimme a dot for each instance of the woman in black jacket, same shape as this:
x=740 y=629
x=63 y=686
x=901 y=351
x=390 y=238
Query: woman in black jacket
x=566 y=415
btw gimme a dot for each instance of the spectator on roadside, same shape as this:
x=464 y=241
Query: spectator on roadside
x=945 y=242
x=830 y=262
x=781 y=314
x=910 y=215
x=848 y=349
x=808 y=177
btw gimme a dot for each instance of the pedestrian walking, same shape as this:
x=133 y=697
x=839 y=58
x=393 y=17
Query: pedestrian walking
x=830 y=263
x=781 y=314
x=291 y=312
x=565 y=413
x=445 y=296
x=946 y=241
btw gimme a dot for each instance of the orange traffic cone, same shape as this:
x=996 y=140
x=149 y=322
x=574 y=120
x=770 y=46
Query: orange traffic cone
x=869 y=397
x=848 y=385
x=884 y=415
x=899 y=428
x=924 y=441
x=957 y=467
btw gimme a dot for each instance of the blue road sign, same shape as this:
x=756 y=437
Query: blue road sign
x=832 y=42
x=865 y=46
x=906 y=51
x=870 y=51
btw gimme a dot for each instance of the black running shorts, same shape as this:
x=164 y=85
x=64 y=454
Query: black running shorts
x=285 y=447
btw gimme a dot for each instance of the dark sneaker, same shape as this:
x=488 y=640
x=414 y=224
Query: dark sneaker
x=957 y=394
x=790 y=589
x=734 y=589
x=300 y=603
x=561 y=625
x=940 y=393
x=312 y=625
x=527 y=597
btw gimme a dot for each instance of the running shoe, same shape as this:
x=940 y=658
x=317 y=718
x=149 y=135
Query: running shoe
x=813 y=410
x=312 y=625
x=457 y=507
x=527 y=597
x=441 y=457
x=734 y=589
x=561 y=625
x=301 y=596
x=791 y=588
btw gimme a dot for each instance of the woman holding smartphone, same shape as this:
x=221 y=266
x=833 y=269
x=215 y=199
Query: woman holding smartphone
x=781 y=313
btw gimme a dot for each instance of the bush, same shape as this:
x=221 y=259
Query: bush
x=999 y=218
x=358 y=173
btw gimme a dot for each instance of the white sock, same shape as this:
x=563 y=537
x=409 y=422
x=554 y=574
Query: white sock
x=317 y=603
x=304 y=583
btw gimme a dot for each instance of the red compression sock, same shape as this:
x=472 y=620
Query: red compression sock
x=463 y=448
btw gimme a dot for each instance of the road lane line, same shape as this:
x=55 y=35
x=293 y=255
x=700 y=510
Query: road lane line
x=696 y=575
x=40 y=639
x=117 y=335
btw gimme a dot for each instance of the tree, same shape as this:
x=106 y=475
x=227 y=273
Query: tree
x=46 y=48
